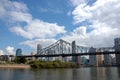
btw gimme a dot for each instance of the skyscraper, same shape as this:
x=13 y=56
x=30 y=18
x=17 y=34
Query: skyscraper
x=18 y=52
x=99 y=57
x=99 y=60
x=39 y=48
x=74 y=58
x=117 y=49
x=92 y=58
x=107 y=59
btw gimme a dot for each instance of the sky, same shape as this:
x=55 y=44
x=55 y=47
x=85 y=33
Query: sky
x=26 y=23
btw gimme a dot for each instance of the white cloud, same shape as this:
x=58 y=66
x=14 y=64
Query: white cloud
x=20 y=31
x=10 y=50
x=103 y=14
x=104 y=18
x=80 y=30
x=25 y=25
x=21 y=17
x=81 y=13
x=6 y=7
x=43 y=42
x=49 y=10
x=79 y=35
x=100 y=37
x=1 y=52
x=39 y=29
x=20 y=7
x=33 y=28
x=77 y=2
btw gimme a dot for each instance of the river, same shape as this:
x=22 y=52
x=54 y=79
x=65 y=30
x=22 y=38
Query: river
x=89 y=73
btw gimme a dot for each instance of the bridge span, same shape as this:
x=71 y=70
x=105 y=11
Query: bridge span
x=65 y=50
x=67 y=55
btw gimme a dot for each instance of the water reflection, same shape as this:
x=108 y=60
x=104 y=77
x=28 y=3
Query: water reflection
x=50 y=74
x=118 y=69
x=102 y=73
x=11 y=74
x=93 y=73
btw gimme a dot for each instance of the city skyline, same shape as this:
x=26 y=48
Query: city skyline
x=24 y=23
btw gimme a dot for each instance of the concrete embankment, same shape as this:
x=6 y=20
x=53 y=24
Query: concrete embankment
x=14 y=66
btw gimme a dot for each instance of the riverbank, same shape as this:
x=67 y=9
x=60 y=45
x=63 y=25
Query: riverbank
x=53 y=64
x=14 y=66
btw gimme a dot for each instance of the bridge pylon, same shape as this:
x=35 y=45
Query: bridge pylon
x=74 y=58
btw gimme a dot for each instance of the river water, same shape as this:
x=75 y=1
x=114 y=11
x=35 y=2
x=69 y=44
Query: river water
x=90 y=73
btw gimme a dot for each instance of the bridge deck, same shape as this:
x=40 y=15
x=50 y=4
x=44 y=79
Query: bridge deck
x=75 y=54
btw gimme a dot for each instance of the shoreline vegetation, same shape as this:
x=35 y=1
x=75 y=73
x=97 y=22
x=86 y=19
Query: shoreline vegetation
x=22 y=62
x=37 y=64
x=42 y=65
x=52 y=64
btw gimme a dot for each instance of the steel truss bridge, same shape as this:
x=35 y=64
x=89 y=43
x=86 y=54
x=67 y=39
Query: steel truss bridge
x=64 y=47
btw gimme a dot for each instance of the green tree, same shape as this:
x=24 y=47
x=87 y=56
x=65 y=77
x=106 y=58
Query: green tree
x=20 y=60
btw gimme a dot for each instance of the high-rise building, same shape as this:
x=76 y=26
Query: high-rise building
x=99 y=57
x=18 y=52
x=39 y=48
x=92 y=58
x=99 y=60
x=107 y=60
x=74 y=58
x=84 y=60
x=32 y=54
x=74 y=51
x=117 y=49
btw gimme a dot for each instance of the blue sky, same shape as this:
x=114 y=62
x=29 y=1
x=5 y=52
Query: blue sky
x=25 y=23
